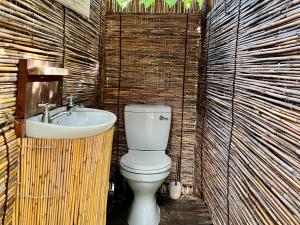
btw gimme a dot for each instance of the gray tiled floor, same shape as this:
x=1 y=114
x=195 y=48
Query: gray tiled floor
x=185 y=211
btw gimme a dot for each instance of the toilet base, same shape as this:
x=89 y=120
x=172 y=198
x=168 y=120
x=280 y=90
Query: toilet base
x=144 y=209
x=141 y=215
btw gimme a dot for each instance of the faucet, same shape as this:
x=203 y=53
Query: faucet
x=71 y=104
x=59 y=115
x=47 y=118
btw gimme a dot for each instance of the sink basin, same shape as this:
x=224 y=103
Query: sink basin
x=83 y=122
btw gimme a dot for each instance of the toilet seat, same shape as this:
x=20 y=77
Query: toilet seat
x=145 y=162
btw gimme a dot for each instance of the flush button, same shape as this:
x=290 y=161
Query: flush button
x=161 y=117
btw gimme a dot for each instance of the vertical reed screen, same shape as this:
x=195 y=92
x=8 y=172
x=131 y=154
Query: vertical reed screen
x=153 y=59
x=43 y=30
x=251 y=131
x=64 y=181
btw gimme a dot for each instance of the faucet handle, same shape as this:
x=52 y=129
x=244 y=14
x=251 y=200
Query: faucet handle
x=71 y=99
x=46 y=114
x=46 y=106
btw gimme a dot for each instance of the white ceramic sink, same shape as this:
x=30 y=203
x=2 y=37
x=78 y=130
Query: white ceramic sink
x=83 y=122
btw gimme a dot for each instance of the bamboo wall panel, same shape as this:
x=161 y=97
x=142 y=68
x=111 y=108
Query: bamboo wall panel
x=159 y=7
x=190 y=85
x=266 y=132
x=260 y=130
x=82 y=56
x=217 y=126
x=28 y=30
x=112 y=79
x=201 y=102
x=101 y=53
x=155 y=65
x=9 y=168
x=40 y=30
x=64 y=181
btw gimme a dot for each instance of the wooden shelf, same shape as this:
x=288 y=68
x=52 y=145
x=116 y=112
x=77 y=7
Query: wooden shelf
x=38 y=82
x=47 y=71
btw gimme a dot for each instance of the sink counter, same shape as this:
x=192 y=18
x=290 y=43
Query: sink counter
x=64 y=181
x=80 y=123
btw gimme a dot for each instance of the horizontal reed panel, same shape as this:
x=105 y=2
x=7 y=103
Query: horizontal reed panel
x=58 y=181
x=151 y=70
x=112 y=79
x=189 y=112
x=28 y=30
x=83 y=54
x=35 y=29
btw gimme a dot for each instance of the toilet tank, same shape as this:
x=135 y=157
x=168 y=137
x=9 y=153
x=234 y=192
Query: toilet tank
x=147 y=127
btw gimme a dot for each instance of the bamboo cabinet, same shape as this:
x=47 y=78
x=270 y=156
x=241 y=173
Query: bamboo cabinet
x=63 y=182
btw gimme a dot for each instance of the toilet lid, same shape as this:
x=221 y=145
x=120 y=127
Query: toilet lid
x=145 y=162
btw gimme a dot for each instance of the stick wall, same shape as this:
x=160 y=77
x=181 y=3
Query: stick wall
x=153 y=59
x=43 y=30
x=249 y=139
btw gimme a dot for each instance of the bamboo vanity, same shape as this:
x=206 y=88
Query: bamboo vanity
x=65 y=153
x=63 y=182
x=64 y=162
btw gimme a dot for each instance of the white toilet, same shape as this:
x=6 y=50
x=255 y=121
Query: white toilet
x=146 y=165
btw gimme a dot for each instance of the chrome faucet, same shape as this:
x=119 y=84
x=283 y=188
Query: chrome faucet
x=47 y=118
x=46 y=114
x=68 y=113
x=71 y=102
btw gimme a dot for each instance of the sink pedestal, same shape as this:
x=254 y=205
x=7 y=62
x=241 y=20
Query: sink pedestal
x=63 y=182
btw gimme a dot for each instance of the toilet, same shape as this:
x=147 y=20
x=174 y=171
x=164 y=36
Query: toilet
x=146 y=165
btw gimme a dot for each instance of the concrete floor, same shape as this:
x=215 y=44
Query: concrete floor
x=185 y=211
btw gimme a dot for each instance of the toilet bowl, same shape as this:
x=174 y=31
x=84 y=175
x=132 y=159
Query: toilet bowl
x=144 y=184
x=146 y=165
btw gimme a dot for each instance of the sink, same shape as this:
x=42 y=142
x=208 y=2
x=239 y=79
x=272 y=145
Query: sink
x=83 y=122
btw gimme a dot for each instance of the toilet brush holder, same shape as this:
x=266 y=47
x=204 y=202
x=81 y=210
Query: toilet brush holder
x=175 y=190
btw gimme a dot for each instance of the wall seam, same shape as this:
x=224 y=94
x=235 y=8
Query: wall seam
x=195 y=188
x=64 y=51
x=232 y=110
x=204 y=110
x=119 y=85
x=7 y=179
x=183 y=90
x=64 y=36
x=99 y=77
x=99 y=69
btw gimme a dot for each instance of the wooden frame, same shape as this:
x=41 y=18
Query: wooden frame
x=38 y=82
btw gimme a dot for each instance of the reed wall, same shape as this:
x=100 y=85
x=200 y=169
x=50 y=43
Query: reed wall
x=48 y=31
x=249 y=139
x=153 y=59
